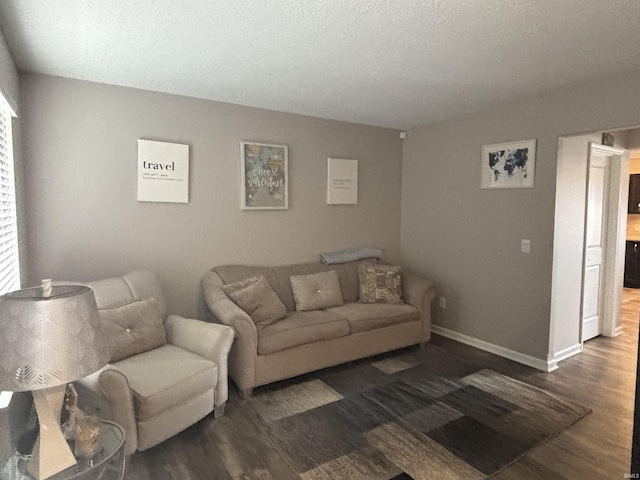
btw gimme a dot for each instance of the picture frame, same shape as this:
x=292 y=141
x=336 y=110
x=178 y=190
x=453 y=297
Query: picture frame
x=163 y=172
x=264 y=176
x=608 y=139
x=508 y=165
x=342 y=181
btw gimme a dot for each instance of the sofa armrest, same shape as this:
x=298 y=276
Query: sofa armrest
x=111 y=385
x=211 y=340
x=244 y=351
x=419 y=293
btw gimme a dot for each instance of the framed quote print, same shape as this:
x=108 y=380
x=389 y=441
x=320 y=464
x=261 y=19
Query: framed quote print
x=265 y=177
x=342 y=181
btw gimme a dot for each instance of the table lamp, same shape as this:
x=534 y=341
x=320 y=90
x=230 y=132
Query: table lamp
x=49 y=336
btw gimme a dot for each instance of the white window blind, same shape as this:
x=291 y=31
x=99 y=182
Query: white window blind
x=9 y=261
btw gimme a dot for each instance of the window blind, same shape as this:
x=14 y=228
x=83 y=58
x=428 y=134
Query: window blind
x=9 y=260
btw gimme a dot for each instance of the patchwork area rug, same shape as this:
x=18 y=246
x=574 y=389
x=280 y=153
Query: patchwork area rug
x=407 y=424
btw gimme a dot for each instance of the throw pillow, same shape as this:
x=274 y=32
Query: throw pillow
x=316 y=291
x=255 y=296
x=133 y=328
x=379 y=283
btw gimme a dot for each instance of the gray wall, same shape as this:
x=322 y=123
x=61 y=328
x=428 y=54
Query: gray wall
x=633 y=139
x=80 y=153
x=468 y=240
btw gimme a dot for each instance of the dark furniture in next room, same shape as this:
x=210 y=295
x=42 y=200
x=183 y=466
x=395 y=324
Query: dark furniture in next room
x=632 y=264
x=634 y=194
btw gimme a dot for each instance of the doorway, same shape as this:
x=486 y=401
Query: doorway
x=605 y=228
x=568 y=271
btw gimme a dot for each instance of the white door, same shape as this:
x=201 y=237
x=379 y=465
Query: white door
x=595 y=248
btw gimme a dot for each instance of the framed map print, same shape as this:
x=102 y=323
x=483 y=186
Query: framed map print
x=508 y=165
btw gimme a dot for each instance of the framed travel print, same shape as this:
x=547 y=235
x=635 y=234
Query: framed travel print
x=163 y=172
x=265 y=179
x=508 y=165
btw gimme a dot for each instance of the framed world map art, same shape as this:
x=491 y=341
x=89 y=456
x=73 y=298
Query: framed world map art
x=265 y=177
x=508 y=165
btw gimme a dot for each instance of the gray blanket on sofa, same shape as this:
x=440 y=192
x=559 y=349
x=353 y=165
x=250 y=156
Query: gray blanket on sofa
x=350 y=255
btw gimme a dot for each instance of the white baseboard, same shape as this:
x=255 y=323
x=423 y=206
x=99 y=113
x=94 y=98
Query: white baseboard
x=528 y=360
x=563 y=355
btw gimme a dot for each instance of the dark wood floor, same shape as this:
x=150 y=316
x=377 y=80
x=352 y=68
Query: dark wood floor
x=597 y=447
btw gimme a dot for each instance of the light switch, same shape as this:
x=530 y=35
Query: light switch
x=525 y=246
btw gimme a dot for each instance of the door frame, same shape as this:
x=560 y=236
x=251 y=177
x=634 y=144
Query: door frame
x=615 y=236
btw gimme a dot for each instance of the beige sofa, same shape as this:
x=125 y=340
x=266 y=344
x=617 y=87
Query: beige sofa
x=305 y=341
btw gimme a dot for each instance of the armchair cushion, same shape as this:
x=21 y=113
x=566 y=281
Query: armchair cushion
x=133 y=328
x=164 y=377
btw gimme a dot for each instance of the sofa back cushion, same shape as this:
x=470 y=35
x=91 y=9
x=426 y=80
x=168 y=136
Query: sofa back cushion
x=136 y=285
x=278 y=277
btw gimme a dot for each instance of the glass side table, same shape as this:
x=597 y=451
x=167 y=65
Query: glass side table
x=108 y=463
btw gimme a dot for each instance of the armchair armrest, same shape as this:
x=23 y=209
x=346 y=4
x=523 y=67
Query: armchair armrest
x=211 y=340
x=111 y=385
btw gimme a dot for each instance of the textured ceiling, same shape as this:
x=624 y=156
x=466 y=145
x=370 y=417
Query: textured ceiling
x=390 y=63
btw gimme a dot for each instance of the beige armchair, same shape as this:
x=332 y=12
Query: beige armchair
x=163 y=389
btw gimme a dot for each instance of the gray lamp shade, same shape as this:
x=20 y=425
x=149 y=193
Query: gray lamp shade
x=49 y=341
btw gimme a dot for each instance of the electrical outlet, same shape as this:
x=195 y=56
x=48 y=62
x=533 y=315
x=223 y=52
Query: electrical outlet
x=525 y=246
x=442 y=302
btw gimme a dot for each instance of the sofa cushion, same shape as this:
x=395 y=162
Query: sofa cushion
x=369 y=316
x=132 y=328
x=379 y=284
x=165 y=377
x=278 y=277
x=255 y=296
x=299 y=328
x=316 y=291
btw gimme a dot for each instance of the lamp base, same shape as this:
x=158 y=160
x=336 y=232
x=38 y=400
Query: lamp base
x=51 y=453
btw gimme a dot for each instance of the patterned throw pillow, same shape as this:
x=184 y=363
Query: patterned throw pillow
x=379 y=283
x=255 y=296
